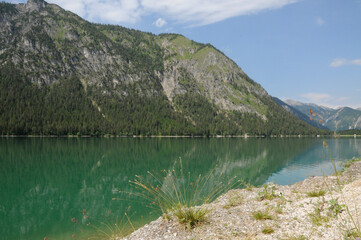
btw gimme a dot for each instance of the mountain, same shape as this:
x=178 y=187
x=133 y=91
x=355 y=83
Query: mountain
x=300 y=115
x=344 y=118
x=60 y=74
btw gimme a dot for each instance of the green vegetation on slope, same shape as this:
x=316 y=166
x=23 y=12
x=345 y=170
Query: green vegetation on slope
x=62 y=75
x=59 y=109
x=65 y=108
x=350 y=132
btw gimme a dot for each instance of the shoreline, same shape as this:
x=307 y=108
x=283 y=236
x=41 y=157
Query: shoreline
x=180 y=136
x=294 y=213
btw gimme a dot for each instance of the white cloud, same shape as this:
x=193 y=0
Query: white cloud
x=190 y=12
x=160 y=22
x=203 y=12
x=356 y=62
x=320 y=21
x=332 y=101
x=338 y=62
x=77 y=7
x=108 y=11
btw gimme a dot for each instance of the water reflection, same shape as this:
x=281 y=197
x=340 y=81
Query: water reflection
x=47 y=182
x=316 y=161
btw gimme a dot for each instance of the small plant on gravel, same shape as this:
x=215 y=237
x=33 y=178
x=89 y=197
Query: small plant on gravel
x=352 y=234
x=268 y=192
x=268 y=230
x=278 y=209
x=335 y=207
x=177 y=193
x=235 y=234
x=317 y=217
x=316 y=193
x=262 y=215
x=234 y=200
x=345 y=165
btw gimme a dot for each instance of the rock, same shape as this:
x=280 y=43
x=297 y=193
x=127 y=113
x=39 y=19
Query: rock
x=35 y=5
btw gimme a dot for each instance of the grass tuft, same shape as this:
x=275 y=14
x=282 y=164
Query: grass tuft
x=190 y=216
x=262 y=215
x=175 y=193
x=268 y=230
x=316 y=193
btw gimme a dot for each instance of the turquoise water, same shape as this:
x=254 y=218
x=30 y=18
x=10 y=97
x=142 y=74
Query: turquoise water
x=57 y=188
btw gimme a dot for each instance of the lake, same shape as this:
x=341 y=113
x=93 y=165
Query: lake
x=58 y=188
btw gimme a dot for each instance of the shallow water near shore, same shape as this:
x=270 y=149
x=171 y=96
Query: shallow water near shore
x=57 y=188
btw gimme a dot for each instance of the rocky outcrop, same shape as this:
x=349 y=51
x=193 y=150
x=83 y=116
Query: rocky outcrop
x=35 y=5
x=215 y=76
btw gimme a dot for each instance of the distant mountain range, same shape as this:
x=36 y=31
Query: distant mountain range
x=344 y=118
x=304 y=116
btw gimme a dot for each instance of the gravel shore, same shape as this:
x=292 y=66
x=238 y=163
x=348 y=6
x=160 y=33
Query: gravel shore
x=291 y=212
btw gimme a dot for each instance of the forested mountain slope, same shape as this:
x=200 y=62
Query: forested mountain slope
x=60 y=74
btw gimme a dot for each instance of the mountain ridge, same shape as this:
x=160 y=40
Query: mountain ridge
x=343 y=118
x=130 y=82
x=300 y=115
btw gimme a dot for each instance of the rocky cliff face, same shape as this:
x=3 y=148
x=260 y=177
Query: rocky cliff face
x=190 y=82
x=214 y=75
x=40 y=36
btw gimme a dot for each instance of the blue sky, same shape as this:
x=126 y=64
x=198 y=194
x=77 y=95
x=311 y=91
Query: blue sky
x=305 y=50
